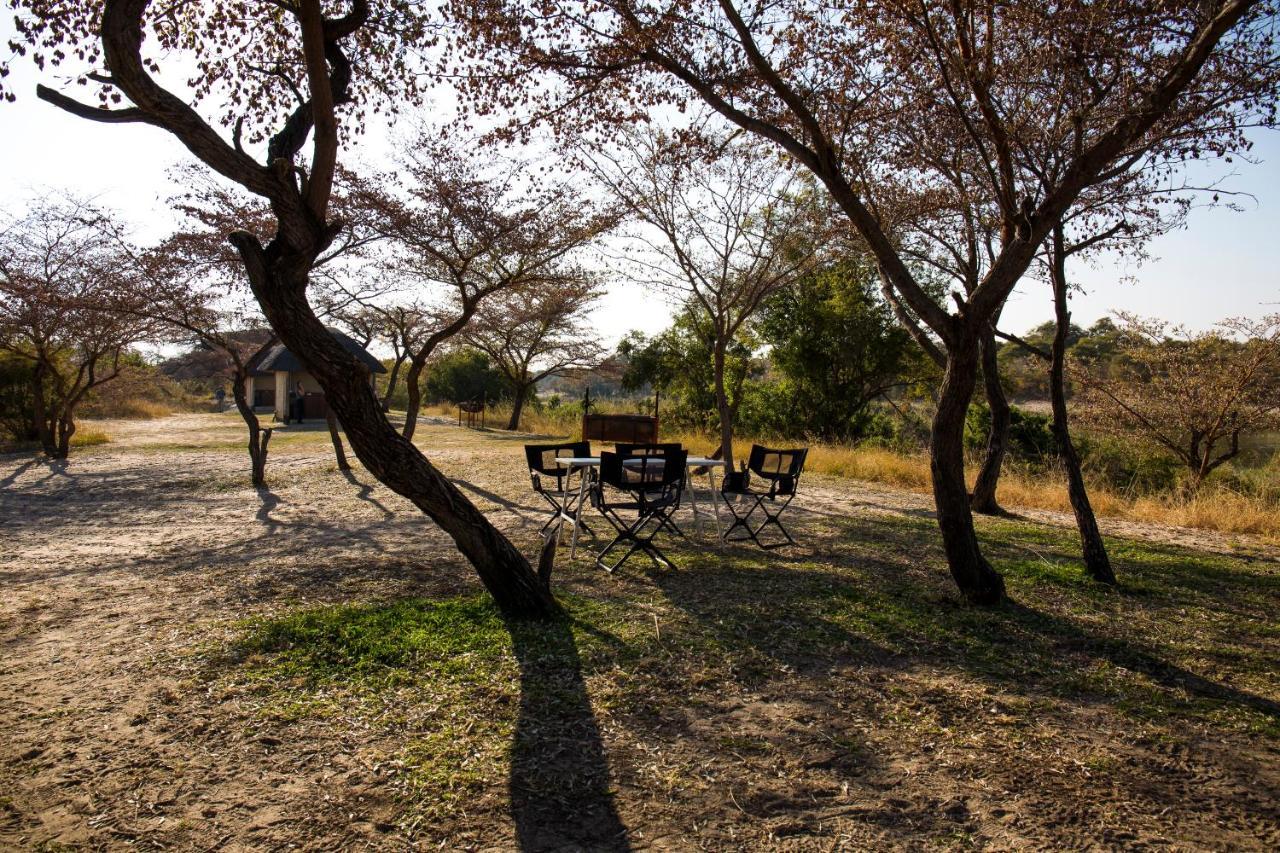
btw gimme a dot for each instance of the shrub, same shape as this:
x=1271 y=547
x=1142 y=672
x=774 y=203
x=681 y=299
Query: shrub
x=1030 y=438
x=1126 y=466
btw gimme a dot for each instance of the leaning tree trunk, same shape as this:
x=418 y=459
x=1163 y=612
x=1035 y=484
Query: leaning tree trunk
x=983 y=499
x=977 y=580
x=278 y=276
x=517 y=406
x=1094 y=551
x=413 y=403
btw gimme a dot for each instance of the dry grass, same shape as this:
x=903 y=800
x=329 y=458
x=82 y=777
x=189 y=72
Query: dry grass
x=89 y=438
x=1215 y=508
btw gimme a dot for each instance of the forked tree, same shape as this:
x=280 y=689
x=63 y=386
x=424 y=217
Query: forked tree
x=835 y=84
x=724 y=225
x=1193 y=395
x=61 y=272
x=284 y=78
x=538 y=330
x=187 y=290
x=459 y=234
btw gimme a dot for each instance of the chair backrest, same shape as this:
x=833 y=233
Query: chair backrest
x=646 y=449
x=782 y=467
x=542 y=457
x=643 y=472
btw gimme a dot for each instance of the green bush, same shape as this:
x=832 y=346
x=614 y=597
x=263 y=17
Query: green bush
x=16 y=400
x=1131 y=468
x=1030 y=438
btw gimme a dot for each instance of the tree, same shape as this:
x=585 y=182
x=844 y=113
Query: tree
x=678 y=362
x=61 y=269
x=844 y=88
x=464 y=374
x=280 y=74
x=729 y=234
x=1192 y=394
x=839 y=346
x=188 y=289
x=469 y=233
x=536 y=331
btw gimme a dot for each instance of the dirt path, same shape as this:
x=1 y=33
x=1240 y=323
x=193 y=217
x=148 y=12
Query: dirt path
x=114 y=566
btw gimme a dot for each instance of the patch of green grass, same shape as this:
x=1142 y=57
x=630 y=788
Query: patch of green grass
x=1186 y=638
x=89 y=438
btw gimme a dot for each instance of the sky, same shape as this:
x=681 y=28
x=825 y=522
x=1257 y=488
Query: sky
x=1222 y=264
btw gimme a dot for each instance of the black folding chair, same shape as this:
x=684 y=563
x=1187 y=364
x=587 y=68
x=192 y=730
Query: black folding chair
x=781 y=469
x=542 y=464
x=653 y=450
x=649 y=485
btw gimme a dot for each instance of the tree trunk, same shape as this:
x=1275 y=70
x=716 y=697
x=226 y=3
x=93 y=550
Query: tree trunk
x=412 y=385
x=977 y=580
x=983 y=499
x=278 y=276
x=1094 y=551
x=722 y=406
x=391 y=383
x=43 y=420
x=338 y=452
x=258 y=438
x=66 y=429
x=517 y=406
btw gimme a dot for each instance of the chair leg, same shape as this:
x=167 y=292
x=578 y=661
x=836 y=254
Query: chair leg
x=742 y=520
x=634 y=534
x=775 y=519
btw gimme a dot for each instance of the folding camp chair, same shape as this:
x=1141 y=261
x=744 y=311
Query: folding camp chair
x=542 y=463
x=781 y=469
x=649 y=485
x=653 y=450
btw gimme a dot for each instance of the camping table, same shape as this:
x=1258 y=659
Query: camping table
x=574 y=463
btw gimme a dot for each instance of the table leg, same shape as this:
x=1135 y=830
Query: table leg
x=715 y=509
x=577 y=516
x=693 y=502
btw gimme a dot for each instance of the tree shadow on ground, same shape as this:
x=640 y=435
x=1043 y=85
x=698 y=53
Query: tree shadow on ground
x=269 y=501
x=561 y=794
x=366 y=494
x=854 y=603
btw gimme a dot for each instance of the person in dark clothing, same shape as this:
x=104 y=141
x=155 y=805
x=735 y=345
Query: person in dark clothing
x=300 y=402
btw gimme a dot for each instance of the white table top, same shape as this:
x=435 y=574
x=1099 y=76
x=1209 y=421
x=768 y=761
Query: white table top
x=592 y=461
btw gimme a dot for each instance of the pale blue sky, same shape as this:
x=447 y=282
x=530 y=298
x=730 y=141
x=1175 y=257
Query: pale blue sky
x=1223 y=264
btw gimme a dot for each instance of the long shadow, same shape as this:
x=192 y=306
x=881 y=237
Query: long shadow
x=270 y=500
x=366 y=493
x=516 y=508
x=801 y=615
x=561 y=797
x=16 y=473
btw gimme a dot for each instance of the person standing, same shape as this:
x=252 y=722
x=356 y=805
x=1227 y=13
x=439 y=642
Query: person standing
x=296 y=403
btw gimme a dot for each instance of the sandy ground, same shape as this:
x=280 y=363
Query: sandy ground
x=115 y=565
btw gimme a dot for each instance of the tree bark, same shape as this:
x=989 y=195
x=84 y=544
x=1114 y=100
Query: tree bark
x=278 y=275
x=979 y=583
x=517 y=406
x=44 y=427
x=1093 y=549
x=413 y=387
x=722 y=405
x=983 y=499
x=258 y=437
x=391 y=383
